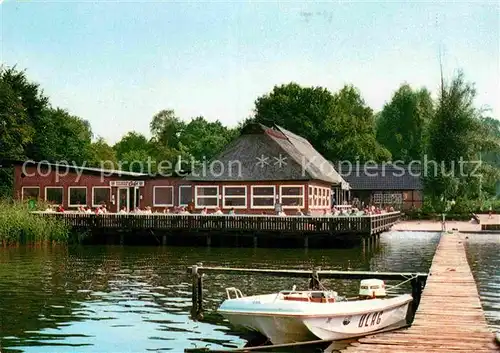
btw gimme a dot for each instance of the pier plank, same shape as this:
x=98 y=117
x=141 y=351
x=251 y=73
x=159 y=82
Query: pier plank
x=450 y=317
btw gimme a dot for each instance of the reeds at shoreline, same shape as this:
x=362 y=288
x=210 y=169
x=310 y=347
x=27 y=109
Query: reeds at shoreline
x=19 y=226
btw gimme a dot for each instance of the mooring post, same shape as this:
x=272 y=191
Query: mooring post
x=121 y=238
x=164 y=240
x=209 y=240
x=194 y=292
x=199 y=312
x=314 y=282
x=306 y=242
x=416 y=293
x=255 y=241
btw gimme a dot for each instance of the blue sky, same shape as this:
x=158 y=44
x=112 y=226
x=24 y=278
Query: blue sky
x=118 y=63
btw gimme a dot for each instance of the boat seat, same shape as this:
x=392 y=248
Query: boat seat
x=314 y=297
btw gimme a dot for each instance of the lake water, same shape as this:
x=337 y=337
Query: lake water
x=137 y=299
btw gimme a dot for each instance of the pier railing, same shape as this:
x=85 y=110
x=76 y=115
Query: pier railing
x=370 y=224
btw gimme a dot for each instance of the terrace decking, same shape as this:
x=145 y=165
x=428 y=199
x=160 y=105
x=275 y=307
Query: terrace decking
x=449 y=318
x=170 y=226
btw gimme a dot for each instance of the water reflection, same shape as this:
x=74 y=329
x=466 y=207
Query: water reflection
x=130 y=299
x=483 y=254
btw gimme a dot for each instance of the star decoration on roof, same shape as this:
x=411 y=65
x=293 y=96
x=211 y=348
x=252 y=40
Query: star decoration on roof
x=262 y=161
x=280 y=161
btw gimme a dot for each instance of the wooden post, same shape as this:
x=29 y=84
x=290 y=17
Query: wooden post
x=306 y=242
x=199 y=312
x=121 y=238
x=314 y=282
x=209 y=240
x=194 y=293
x=416 y=293
x=164 y=240
x=255 y=241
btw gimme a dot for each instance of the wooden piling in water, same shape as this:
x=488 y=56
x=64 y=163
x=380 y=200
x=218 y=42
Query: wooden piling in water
x=197 y=292
x=449 y=317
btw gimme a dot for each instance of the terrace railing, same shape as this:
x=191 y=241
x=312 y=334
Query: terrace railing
x=370 y=224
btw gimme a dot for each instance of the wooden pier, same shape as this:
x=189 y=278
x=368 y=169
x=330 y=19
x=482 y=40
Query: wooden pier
x=449 y=318
x=243 y=230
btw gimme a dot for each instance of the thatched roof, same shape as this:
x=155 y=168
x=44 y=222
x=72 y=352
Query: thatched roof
x=263 y=153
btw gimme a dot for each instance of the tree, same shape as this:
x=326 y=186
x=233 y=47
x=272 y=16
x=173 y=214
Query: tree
x=15 y=131
x=33 y=102
x=103 y=155
x=340 y=126
x=353 y=129
x=204 y=139
x=65 y=137
x=403 y=123
x=166 y=128
x=134 y=152
x=457 y=137
x=132 y=141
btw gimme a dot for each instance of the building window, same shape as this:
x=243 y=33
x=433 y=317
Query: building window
x=316 y=197
x=387 y=198
x=100 y=195
x=30 y=192
x=263 y=196
x=207 y=196
x=377 y=198
x=310 y=198
x=234 y=196
x=77 y=196
x=185 y=195
x=54 y=195
x=397 y=198
x=163 y=196
x=292 y=196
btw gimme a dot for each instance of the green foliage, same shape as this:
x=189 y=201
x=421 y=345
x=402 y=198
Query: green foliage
x=204 y=139
x=402 y=126
x=19 y=225
x=103 y=155
x=15 y=132
x=458 y=135
x=65 y=138
x=27 y=96
x=340 y=125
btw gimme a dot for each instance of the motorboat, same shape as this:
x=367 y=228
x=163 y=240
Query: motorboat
x=292 y=316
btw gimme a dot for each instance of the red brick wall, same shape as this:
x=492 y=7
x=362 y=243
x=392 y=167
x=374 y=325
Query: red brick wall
x=45 y=178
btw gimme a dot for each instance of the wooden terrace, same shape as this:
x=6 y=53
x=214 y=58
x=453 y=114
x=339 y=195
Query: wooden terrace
x=256 y=227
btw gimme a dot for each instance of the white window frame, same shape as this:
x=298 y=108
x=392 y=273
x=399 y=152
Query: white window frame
x=77 y=187
x=302 y=196
x=321 y=197
x=180 y=193
x=29 y=187
x=101 y=187
x=224 y=187
x=377 y=198
x=206 y=196
x=252 y=196
x=55 y=187
x=171 y=194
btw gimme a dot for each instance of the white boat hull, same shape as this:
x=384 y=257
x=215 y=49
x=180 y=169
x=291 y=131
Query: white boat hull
x=299 y=322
